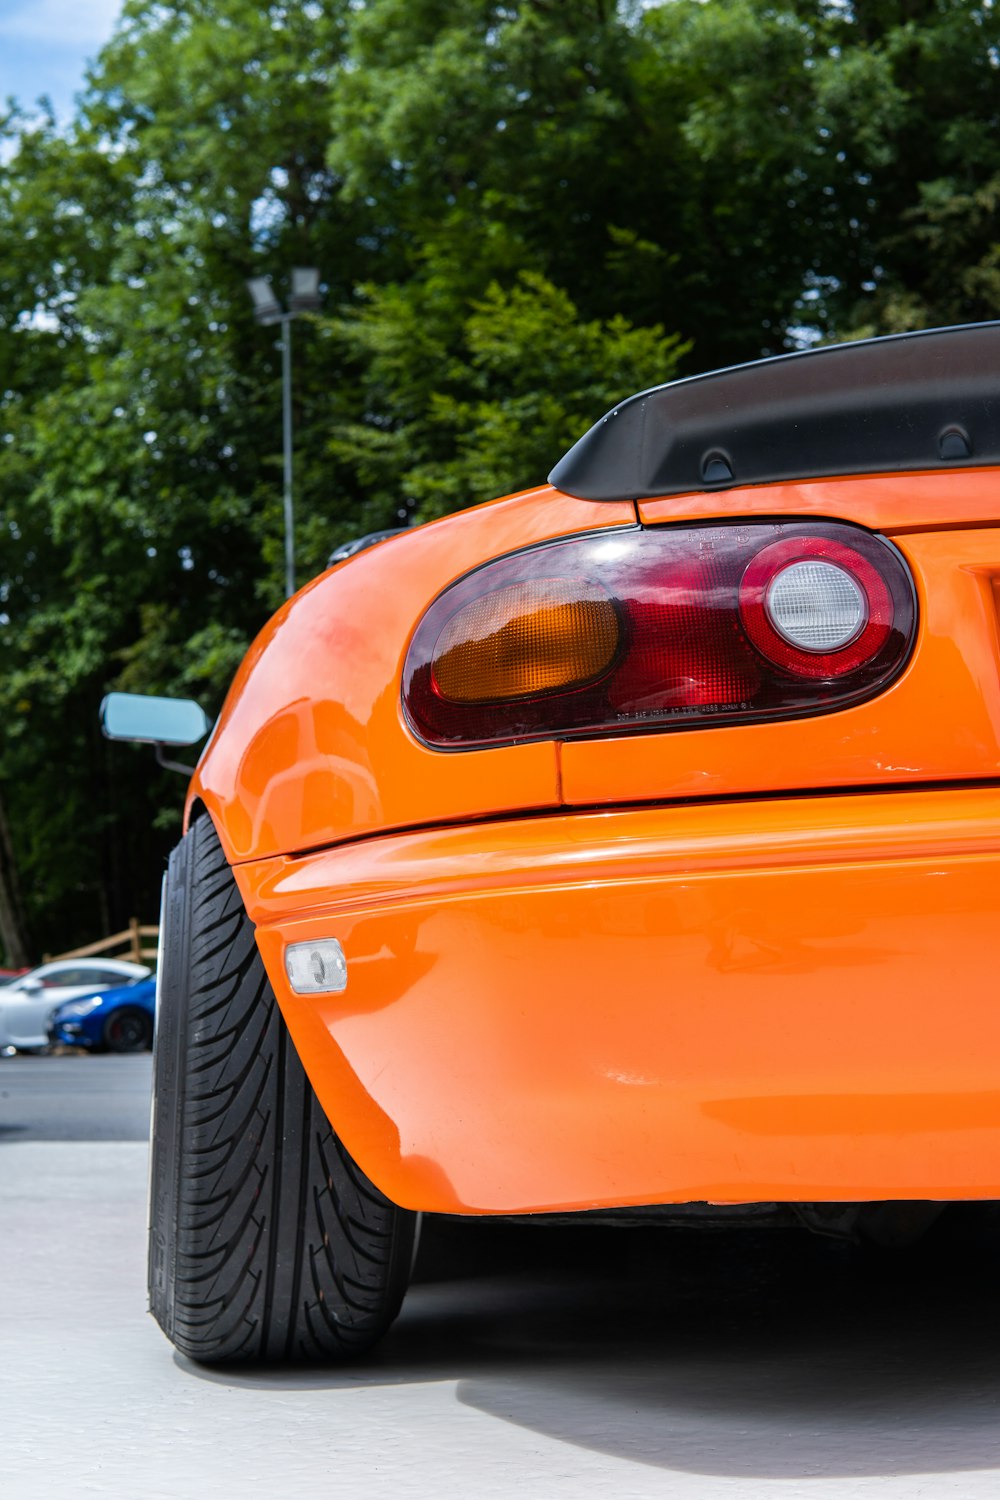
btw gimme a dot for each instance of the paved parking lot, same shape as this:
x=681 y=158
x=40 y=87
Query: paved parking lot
x=525 y=1362
x=75 y=1098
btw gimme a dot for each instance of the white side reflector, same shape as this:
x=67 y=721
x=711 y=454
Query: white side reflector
x=317 y=968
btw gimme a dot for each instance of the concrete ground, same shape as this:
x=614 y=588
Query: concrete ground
x=526 y=1362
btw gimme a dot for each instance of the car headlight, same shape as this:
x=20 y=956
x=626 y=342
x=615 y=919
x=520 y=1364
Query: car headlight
x=78 y=1007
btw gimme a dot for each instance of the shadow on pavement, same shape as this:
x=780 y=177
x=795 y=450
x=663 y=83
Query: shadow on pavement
x=734 y=1353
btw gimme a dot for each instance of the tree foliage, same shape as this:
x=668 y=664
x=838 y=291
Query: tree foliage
x=523 y=211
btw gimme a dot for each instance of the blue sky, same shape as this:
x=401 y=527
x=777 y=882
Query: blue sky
x=46 y=44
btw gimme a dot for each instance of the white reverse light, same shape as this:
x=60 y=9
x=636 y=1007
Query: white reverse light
x=816 y=606
x=317 y=968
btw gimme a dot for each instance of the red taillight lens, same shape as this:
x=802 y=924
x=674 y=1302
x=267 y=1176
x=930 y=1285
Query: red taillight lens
x=815 y=606
x=622 y=631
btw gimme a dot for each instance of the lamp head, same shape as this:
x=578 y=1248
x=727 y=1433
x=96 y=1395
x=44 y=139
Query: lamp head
x=305 y=296
x=266 y=307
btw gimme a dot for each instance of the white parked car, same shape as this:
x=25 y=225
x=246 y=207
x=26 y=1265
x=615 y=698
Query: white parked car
x=28 y=1001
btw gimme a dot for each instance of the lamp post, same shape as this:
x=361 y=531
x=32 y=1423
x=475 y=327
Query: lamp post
x=267 y=309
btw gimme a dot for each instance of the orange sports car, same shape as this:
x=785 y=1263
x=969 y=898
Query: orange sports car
x=629 y=842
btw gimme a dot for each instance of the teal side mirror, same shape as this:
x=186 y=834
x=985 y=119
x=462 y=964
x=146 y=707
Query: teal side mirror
x=154 y=721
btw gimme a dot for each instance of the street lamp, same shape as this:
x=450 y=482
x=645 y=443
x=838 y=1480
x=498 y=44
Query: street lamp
x=304 y=298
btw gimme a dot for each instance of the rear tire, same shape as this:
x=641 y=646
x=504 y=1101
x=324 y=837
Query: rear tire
x=267 y=1241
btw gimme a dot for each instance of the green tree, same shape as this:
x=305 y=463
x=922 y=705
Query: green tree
x=846 y=159
x=140 y=456
x=453 y=421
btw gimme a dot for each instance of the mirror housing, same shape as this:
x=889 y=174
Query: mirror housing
x=153 y=721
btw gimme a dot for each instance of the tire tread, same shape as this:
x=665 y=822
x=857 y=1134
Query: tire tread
x=267 y=1241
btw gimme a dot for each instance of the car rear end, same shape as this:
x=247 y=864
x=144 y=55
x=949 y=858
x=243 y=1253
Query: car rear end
x=664 y=865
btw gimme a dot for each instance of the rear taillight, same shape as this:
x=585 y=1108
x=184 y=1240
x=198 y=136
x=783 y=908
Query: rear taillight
x=630 y=630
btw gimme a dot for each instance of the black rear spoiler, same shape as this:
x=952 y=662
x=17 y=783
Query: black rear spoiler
x=911 y=401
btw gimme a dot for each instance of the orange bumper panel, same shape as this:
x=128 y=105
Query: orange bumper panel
x=791 y=1000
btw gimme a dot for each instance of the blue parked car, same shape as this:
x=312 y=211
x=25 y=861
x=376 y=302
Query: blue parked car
x=118 y=1020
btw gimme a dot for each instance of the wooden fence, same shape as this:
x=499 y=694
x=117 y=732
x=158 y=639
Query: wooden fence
x=134 y=943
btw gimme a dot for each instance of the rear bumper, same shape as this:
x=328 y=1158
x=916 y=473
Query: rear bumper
x=788 y=1000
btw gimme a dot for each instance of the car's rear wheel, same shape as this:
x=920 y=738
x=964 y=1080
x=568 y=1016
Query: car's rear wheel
x=267 y=1241
x=128 y=1031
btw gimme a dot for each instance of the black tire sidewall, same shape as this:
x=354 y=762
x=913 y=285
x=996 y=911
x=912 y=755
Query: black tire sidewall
x=267 y=1241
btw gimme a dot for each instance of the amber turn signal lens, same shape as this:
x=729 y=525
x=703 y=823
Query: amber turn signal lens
x=532 y=637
